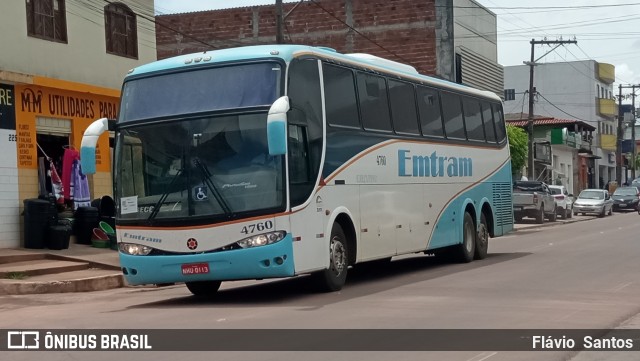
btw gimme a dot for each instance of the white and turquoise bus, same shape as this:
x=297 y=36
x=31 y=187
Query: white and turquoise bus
x=280 y=160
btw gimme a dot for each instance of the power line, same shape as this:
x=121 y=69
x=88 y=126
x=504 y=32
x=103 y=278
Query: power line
x=555 y=106
x=359 y=33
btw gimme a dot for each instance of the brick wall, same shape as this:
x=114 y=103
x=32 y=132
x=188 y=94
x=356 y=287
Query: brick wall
x=403 y=29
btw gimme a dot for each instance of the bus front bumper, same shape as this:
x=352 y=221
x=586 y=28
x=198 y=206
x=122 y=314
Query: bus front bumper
x=270 y=261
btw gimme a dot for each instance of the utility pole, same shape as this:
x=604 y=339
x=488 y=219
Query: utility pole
x=530 y=165
x=279 y=23
x=633 y=132
x=632 y=161
x=619 y=140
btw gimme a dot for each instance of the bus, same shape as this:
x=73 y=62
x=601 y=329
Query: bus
x=281 y=160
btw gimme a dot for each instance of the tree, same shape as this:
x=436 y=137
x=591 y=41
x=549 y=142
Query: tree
x=519 y=146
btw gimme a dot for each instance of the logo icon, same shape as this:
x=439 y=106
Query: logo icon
x=23 y=340
x=200 y=193
x=192 y=243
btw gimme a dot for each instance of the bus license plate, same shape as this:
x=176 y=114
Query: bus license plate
x=195 y=269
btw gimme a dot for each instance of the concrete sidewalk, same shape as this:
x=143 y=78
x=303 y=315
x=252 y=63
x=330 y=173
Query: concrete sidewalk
x=80 y=268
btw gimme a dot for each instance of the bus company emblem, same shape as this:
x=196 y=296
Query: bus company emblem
x=433 y=165
x=192 y=243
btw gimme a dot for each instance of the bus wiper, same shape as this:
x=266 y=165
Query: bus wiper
x=165 y=194
x=206 y=175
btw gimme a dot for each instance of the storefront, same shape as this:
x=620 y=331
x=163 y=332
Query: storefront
x=41 y=123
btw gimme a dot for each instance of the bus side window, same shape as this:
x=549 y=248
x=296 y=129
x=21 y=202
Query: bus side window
x=374 y=103
x=473 y=119
x=403 y=108
x=489 y=127
x=498 y=120
x=452 y=114
x=340 y=96
x=429 y=109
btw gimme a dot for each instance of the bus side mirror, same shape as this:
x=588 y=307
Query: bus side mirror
x=88 y=145
x=277 y=126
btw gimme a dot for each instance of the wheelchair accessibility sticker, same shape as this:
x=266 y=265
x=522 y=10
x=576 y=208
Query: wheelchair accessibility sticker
x=200 y=193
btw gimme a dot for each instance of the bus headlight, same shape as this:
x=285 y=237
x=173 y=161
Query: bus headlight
x=134 y=249
x=262 y=239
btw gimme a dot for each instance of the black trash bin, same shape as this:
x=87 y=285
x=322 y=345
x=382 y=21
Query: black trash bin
x=85 y=220
x=58 y=236
x=107 y=210
x=36 y=220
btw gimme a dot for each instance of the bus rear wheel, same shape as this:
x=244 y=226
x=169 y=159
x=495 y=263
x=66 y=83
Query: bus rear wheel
x=203 y=288
x=482 y=239
x=333 y=278
x=466 y=250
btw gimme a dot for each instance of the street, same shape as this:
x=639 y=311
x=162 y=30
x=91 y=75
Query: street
x=577 y=275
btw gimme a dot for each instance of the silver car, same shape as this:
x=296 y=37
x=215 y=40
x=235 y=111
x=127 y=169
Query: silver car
x=595 y=201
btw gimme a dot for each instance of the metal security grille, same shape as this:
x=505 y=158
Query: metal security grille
x=502 y=203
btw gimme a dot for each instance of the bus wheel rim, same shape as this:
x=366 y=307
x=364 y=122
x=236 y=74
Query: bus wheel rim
x=338 y=256
x=483 y=234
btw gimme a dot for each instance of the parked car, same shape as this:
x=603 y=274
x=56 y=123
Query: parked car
x=626 y=199
x=596 y=201
x=564 y=201
x=533 y=199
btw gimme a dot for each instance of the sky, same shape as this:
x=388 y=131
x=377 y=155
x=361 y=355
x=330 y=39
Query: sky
x=607 y=31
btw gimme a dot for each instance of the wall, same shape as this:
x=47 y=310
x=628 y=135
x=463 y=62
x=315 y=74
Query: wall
x=85 y=51
x=406 y=28
x=9 y=218
x=475 y=29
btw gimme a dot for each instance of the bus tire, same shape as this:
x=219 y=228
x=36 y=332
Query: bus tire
x=333 y=278
x=482 y=239
x=466 y=250
x=203 y=288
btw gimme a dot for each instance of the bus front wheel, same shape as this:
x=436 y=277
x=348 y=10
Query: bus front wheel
x=333 y=278
x=203 y=288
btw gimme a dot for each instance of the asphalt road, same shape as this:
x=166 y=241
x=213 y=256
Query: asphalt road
x=579 y=275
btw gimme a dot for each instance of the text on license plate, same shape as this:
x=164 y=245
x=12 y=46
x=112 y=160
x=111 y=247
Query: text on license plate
x=195 y=268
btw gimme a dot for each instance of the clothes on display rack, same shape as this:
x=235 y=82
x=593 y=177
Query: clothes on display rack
x=81 y=194
x=70 y=155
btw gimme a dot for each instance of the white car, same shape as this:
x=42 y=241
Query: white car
x=564 y=201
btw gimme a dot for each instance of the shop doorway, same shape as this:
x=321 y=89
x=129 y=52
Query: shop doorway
x=53 y=146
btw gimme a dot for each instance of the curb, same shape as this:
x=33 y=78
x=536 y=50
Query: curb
x=551 y=224
x=89 y=284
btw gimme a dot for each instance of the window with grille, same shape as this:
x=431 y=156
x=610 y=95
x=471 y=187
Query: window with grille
x=46 y=19
x=120 y=30
x=509 y=94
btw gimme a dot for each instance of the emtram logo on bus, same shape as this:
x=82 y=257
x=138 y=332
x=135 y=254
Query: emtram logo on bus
x=433 y=165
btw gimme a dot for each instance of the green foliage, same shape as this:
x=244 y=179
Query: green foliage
x=15 y=275
x=518 y=145
x=637 y=161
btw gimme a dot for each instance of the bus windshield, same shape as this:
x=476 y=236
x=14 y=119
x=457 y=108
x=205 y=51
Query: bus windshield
x=215 y=166
x=200 y=90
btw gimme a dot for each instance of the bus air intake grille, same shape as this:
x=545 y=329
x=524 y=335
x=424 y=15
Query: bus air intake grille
x=502 y=203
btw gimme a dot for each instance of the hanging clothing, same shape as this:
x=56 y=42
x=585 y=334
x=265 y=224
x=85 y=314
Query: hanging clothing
x=81 y=196
x=56 y=183
x=70 y=155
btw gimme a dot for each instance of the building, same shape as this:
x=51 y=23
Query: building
x=562 y=153
x=451 y=39
x=578 y=90
x=62 y=67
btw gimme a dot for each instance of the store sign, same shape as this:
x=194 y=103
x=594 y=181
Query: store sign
x=78 y=106
x=7 y=107
x=66 y=106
